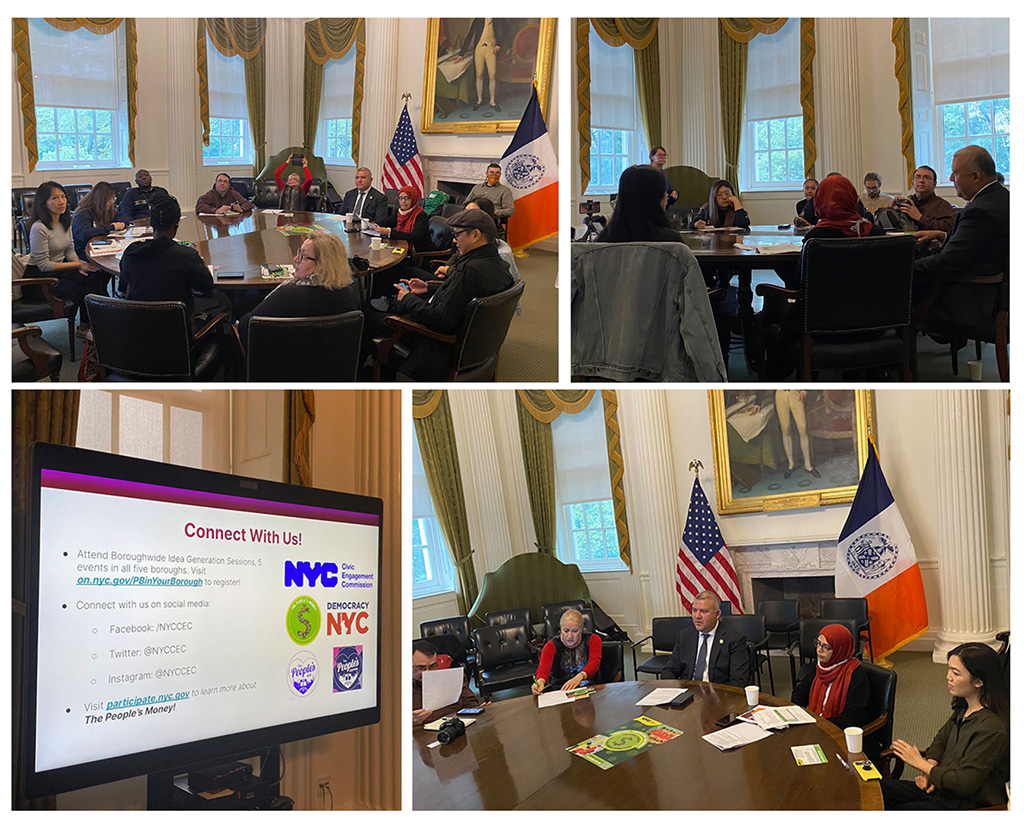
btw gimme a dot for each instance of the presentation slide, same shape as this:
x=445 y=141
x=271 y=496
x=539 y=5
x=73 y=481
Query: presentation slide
x=168 y=616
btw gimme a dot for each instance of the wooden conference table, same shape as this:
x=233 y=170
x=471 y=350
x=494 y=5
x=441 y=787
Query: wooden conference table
x=514 y=757
x=736 y=251
x=244 y=242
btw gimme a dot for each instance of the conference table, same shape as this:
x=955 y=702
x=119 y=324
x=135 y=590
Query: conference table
x=736 y=251
x=514 y=757
x=242 y=243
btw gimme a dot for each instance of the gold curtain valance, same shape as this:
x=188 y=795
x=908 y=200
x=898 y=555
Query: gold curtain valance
x=745 y=29
x=330 y=38
x=237 y=36
x=547 y=405
x=637 y=32
x=94 y=25
x=424 y=402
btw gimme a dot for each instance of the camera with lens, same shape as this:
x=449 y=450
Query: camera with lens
x=451 y=729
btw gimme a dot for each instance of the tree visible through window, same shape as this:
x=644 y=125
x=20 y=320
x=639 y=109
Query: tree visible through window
x=227 y=139
x=979 y=122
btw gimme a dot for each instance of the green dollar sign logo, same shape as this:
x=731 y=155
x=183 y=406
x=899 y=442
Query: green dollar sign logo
x=303 y=620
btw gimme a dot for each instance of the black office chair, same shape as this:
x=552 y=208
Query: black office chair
x=552 y=624
x=878 y=732
x=267 y=194
x=442 y=239
x=76 y=193
x=39 y=303
x=332 y=199
x=449 y=209
x=849 y=608
x=852 y=310
x=808 y=633
x=781 y=620
x=474 y=348
x=664 y=631
x=120 y=189
x=319 y=348
x=245 y=185
x=17 y=213
x=33 y=360
x=27 y=202
x=507 y=616
x=505 y=658
x=752 y=627
x=153 y=341
x=315 y=195
x=465 y=649
x=612 y=663
x=551 y=613
x=725 y=606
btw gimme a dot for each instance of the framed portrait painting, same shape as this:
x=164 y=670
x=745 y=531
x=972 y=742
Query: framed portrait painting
x=788 y=449
x=479 y=72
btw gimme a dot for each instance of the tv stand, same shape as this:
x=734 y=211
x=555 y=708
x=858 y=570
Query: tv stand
x=170 y=790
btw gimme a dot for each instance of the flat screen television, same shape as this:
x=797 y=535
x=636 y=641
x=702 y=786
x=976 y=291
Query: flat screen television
x=178 y=616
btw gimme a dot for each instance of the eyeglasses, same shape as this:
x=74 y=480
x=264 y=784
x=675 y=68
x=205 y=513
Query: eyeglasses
x=458 y=233
x=431 y=667
x=822 y=646
x=301 y=256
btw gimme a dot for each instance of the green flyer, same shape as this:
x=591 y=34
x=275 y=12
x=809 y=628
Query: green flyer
x=625 y=742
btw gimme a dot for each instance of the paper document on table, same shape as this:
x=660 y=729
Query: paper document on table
x=371 y=231
x=736 y=736
x=777 y=250
x=270 y=211
x=808 y=755
x=660 y=696
x=549 y=698
x=442 y=687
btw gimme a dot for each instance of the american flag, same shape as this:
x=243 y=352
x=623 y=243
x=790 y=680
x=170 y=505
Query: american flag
x=703 y=563
x=402 y=166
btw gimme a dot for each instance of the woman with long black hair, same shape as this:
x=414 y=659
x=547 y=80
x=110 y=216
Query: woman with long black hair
x=639 y=214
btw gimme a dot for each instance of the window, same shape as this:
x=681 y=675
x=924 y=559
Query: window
x=432 y=569
x=961 y=89
x=772 y=153
x=334 y=136
x=616 y=127
x=80 y=97
x=586 y=530
x=230 y=138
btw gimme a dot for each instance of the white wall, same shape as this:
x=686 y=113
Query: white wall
x=905 y=421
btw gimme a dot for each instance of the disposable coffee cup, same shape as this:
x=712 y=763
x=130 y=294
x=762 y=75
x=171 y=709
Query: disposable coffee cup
x=974 y=368
x=752 y=694
x=854 y=739
x=375 y=243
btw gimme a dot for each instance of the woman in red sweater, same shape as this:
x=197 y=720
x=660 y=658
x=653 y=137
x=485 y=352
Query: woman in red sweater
x=571 y=658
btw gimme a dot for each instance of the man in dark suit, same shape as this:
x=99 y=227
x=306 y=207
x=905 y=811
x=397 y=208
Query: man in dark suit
x=709 y=651
x=978 y=245
x=364 y=200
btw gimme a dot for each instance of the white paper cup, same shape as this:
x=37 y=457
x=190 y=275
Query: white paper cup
x=854 y=739
x=752 y=695
x=974 y=368
x=375 y=243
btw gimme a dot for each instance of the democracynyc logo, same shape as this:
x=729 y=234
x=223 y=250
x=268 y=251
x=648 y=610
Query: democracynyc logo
x=303 y=620
x=303 y=673
x=872 y=555
x=348 y=668
x=525 y=171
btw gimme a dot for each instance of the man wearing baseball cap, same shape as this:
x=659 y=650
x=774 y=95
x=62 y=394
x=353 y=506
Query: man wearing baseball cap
x=439 y=305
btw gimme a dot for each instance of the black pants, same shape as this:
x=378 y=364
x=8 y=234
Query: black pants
x=898 y=794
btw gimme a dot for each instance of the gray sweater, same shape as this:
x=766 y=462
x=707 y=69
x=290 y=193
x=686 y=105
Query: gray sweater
x=499 y=194
x=49 y=245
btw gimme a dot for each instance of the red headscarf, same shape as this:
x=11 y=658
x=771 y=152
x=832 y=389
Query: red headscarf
x=835 y=202
x=407 y=219
x=833 y=680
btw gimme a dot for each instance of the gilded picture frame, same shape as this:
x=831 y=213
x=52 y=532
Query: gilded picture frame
x=526 y=47
x=760 y=465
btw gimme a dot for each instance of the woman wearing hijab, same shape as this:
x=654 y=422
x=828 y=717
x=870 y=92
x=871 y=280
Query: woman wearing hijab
x=967 y=765
x=410 y=223
x=835 y=687
x=570 y=659
x=723 y=209
x=835 y=202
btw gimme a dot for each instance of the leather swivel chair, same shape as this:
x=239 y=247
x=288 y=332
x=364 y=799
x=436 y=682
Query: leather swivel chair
x=318 y=348
x=28 y=309
x=505 y=658
x=664 y=631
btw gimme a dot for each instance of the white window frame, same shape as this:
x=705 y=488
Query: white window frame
x=987 y=141
x=323 y=142
x=748 y=165
x=566 y=549
x=436 y=558
x=248 y=153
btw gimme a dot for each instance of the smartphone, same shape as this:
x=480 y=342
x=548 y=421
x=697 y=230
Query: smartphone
x=470 y=711
x=297 y=159
x=683 y=699
x=403 y=286
x=726 y=721
x=230 y=274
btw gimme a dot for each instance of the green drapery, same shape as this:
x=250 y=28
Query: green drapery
x=807 y=49
x=237 y=37
x=901 y=42
x=432 y=416
x=331 y=38
x=299 y=416
x=537 y=409
x=732 y=73
x=36 y=415
x=640 y=34
x=94 y=25
x=745 y=29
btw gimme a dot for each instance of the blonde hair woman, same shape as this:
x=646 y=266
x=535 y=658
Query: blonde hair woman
x=571 y=658
x=320 y=286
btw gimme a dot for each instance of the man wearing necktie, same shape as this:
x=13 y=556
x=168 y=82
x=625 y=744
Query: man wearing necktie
x=709 y=651
x=364 y=200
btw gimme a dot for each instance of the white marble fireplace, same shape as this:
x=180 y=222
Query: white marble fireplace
x=789 y=560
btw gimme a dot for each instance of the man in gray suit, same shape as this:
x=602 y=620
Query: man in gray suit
x=709 y=651
x=364 y=200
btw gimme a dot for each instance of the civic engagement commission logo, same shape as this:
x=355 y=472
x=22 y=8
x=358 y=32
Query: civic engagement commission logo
x=303 y=620
x=303 y=673
x=348 y=668
x=872 y=555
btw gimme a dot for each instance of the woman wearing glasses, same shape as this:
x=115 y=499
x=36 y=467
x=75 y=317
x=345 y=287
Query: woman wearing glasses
x=319 y=287
x=835 y=687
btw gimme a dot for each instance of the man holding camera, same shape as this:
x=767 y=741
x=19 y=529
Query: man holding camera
x=424 y=658
x=923 y=208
